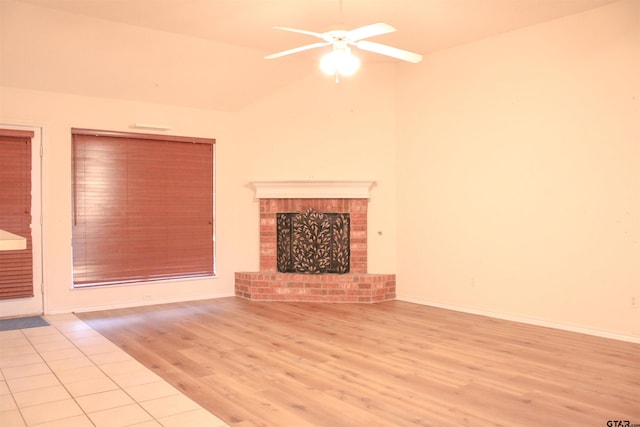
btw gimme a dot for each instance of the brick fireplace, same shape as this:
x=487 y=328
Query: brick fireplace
x=350 y=197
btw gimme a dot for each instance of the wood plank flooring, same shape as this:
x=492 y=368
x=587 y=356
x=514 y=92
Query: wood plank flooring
x=387 y=364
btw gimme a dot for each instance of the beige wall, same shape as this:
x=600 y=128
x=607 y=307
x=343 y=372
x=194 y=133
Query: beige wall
x=57 y=114
x=506 y=169
x=311 y=129
x=519 y=183
x=317 y=129
x=306 y=131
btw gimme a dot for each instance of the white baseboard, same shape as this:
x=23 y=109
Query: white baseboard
x=136 y=304
x=522 y=319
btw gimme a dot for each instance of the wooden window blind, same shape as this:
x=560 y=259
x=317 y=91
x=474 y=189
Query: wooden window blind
x=16 y=266
x=143 y=207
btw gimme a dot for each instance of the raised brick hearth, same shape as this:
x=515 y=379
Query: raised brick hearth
x=294 y=196
x=348 y=287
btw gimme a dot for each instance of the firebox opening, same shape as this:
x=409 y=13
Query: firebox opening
x=313 y=242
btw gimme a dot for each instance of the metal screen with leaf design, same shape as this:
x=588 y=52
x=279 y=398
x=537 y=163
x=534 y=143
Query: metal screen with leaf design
x=313 y=242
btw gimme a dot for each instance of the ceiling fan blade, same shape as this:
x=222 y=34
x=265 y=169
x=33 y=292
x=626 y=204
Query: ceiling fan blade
x=296 y=50
x=309 y=33
x=394 y=52
x=369 y=31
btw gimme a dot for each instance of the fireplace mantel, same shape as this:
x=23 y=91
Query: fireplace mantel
x=312 y=189
x=327 y=197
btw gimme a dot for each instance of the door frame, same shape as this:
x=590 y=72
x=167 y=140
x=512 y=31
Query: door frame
x=36 y=304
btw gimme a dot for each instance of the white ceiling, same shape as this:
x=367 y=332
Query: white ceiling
x=423 y=26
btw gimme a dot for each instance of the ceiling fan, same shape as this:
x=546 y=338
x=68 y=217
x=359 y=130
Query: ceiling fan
x=341 y=40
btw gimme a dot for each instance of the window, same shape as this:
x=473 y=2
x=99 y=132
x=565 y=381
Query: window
x=143 y=207
x=16 y=279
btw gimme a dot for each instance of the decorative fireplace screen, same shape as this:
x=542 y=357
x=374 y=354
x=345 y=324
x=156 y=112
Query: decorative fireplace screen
x=313 y=242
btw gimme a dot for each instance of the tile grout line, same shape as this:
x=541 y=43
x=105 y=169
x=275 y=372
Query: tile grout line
x=56 y=375
x=120 y=387
x=58 y=330
x=9 y=387
x=101 y=370
x=64 y=384
x=13 y=393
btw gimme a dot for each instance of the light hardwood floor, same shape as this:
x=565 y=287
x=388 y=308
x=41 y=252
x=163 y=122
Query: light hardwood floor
x=387 y=364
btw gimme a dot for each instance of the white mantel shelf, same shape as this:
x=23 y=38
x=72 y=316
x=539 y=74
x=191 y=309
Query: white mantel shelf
x=312 y=189
x=11 y=242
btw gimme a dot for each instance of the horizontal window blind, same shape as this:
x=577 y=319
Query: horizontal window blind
x=16 y=266
x=143 y=207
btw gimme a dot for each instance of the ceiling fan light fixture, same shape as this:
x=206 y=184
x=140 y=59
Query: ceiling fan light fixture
x=339 y=61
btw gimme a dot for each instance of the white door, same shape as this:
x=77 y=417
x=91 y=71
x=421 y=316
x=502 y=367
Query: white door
x=32 y=305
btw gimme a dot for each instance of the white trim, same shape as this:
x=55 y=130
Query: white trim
x=37 y=303
x=312 y=189
x=137 y=303
x=527 y=320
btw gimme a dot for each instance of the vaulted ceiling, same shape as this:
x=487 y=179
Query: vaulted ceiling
x=229 y=38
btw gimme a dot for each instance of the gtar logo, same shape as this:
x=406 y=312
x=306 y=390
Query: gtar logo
x=621 y=423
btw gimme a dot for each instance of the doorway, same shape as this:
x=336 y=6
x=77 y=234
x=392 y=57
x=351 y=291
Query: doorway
x=29 y=305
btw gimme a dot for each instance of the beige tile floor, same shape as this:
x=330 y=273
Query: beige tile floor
x=68 y=375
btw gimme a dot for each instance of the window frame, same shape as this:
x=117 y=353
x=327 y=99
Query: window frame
x=114 y=136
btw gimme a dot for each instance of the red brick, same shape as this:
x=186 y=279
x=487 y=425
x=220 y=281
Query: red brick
x=269 y=279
